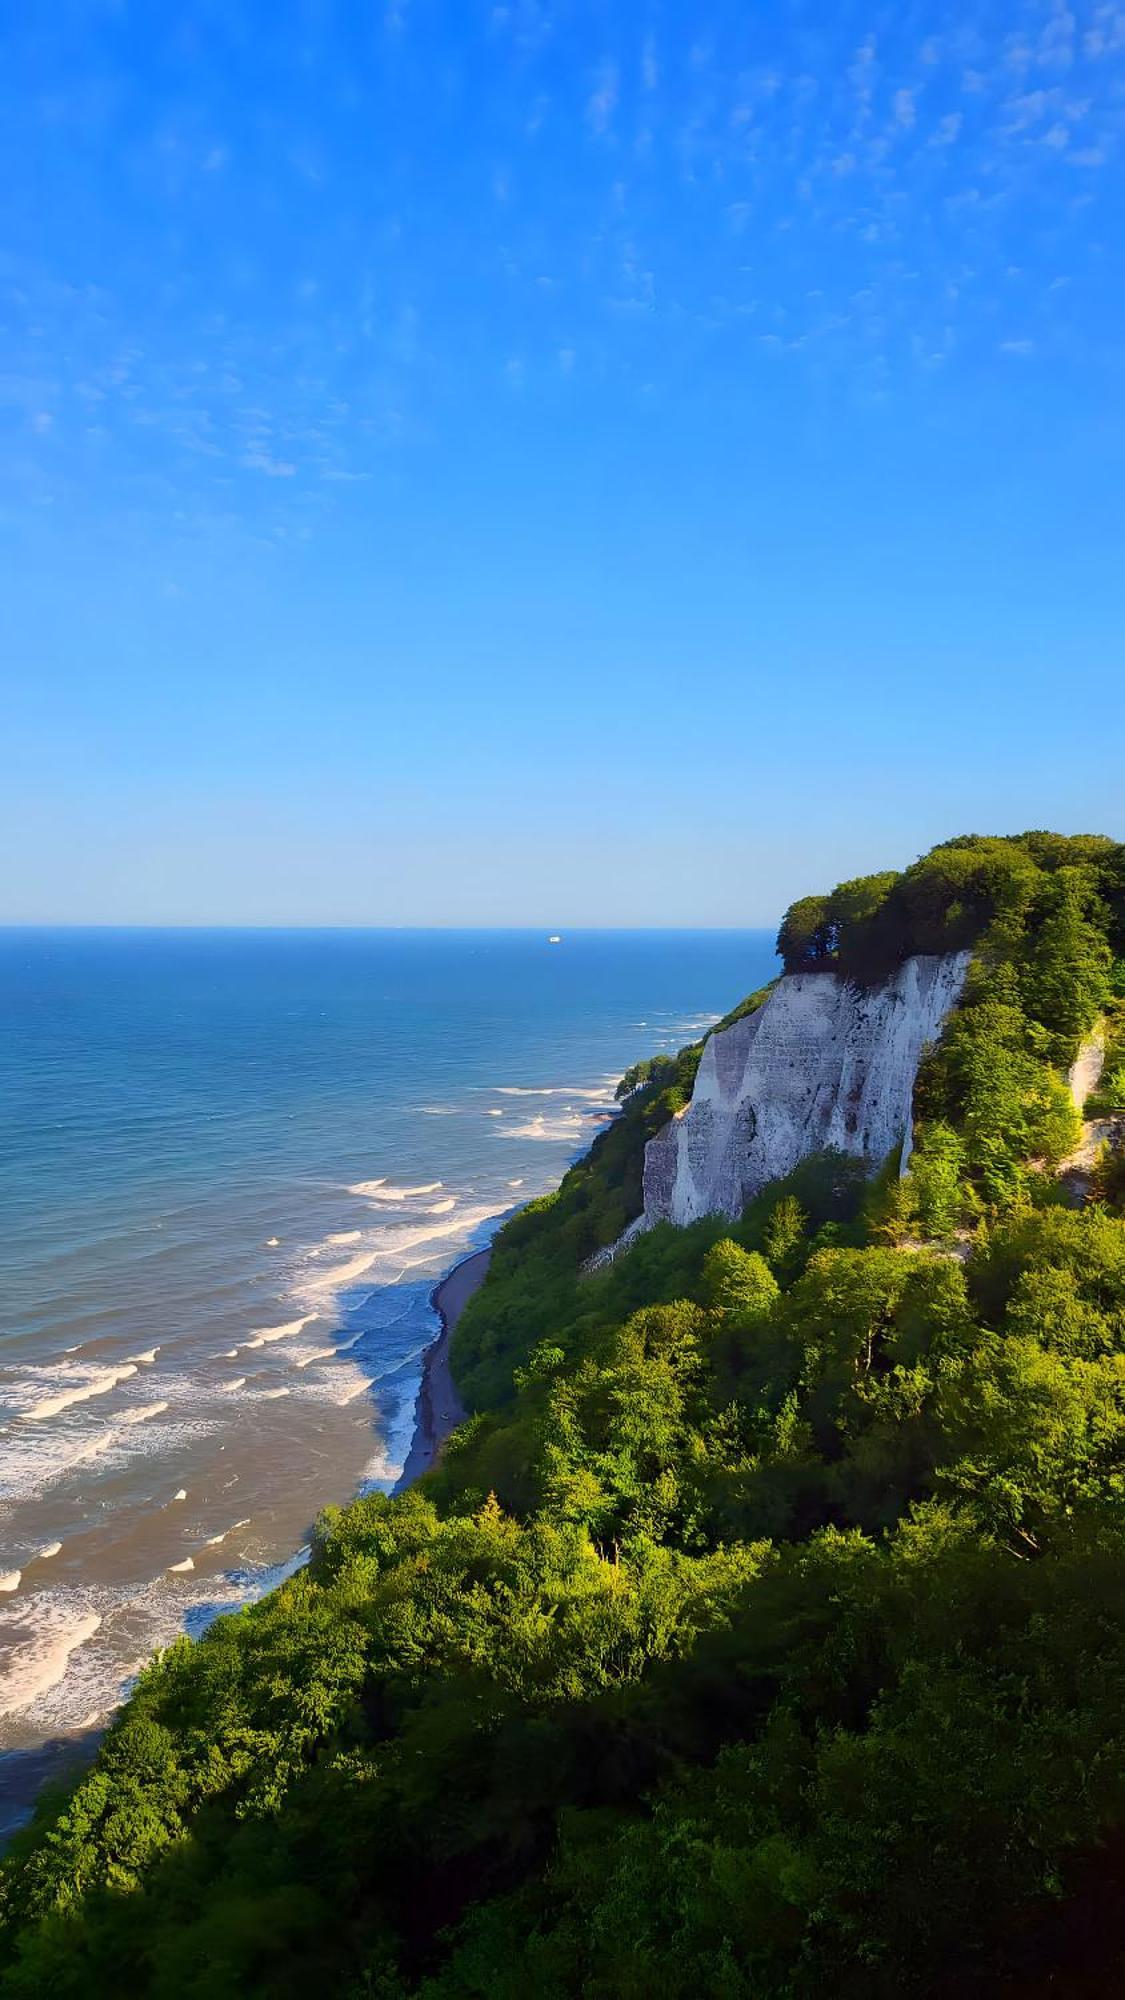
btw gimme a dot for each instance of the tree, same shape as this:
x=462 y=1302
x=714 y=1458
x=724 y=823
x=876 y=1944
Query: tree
x=738 y=1282
x=785 y=1233
x=1066 y=974
x=934 y=1192
x=806 y=938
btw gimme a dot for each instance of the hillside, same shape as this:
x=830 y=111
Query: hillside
x=763 y=1629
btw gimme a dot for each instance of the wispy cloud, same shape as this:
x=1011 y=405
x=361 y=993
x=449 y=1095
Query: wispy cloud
x=602 y=101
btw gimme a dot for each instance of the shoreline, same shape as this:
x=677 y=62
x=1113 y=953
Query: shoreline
x=439 y=1409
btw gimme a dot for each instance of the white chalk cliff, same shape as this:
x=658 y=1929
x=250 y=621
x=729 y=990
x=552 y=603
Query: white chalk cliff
x=819 y=1064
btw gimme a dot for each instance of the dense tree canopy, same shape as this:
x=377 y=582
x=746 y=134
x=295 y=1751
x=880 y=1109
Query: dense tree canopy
x=761 y=1633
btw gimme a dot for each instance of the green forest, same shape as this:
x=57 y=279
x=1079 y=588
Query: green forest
x=762 y=1632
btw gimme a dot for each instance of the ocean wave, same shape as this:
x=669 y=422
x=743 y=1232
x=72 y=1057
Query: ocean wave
x=264 y=1336
x=146 y=1358
x=357 y=1389
x=380 y=1472
x=271 y=1395
x=443 y=1207
x=39 y=1660
x=317 y=1354
x=213 y=1541
x=81 y=1392
x=32 y=1462
x=228 y=1388
x=48 y=1550
x=142 y=1415
x=384 y=1190
x=565 y=1125
x=11 y=1581
x=180 y=1568
x=395 y=1247
x=581 y=1092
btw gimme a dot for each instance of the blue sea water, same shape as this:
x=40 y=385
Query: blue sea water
x=232 y=1166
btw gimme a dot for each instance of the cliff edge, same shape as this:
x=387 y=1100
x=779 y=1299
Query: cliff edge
x=822 y=1063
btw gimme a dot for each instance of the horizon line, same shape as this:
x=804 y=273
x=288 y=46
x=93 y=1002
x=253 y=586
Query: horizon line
x=46 y=924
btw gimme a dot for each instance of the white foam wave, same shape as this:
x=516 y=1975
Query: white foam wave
x=566 y=1125
x=346 y=1236
x=143 y=1360
x=228 y=1388
x=597 y=1096
x=82 y=1392
x=213 y=1541
x=142 y=1415
x=271 y=1395
x=12 y=1580
x=515 y=1183
x=181 y=1495
x=177 y=1569
x=357 y=1389
x=443 y=1207
x=316 y=1354
x=395 y=1247
x=340 y=1274
x=39 y=1660
x=229 y=1354
x=48 y=1550
x=263 y=1336
x=384 y=1190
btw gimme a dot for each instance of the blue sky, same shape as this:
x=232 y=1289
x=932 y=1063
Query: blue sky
x=552 y=462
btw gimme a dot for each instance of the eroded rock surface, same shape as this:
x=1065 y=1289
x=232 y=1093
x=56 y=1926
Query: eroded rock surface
x=820 y=1064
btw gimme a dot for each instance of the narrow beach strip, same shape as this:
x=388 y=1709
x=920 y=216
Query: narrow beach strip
x=439 y=1408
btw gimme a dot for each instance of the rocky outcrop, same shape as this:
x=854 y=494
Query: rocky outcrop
x=820 y=1064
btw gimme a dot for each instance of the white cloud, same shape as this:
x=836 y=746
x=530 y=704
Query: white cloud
x=602 y=102
x=274 y=468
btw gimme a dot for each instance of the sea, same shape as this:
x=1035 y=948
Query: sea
x=233 y=1166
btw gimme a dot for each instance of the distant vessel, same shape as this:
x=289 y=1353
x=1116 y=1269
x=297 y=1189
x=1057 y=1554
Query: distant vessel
x=554 y=940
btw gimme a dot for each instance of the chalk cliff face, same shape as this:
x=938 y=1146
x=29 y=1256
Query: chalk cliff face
x=820 y=1064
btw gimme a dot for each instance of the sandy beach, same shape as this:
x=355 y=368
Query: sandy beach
x=440 y=1409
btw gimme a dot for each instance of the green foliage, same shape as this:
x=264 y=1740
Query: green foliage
x=785 y=1234
x=805 y=940
x=738 y=1283
x=935 y=1194
x=950 y=898
x=762 y=1631
x=1067 y=963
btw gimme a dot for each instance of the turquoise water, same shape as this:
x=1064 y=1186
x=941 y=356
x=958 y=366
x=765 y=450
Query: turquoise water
x=232 y=1166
